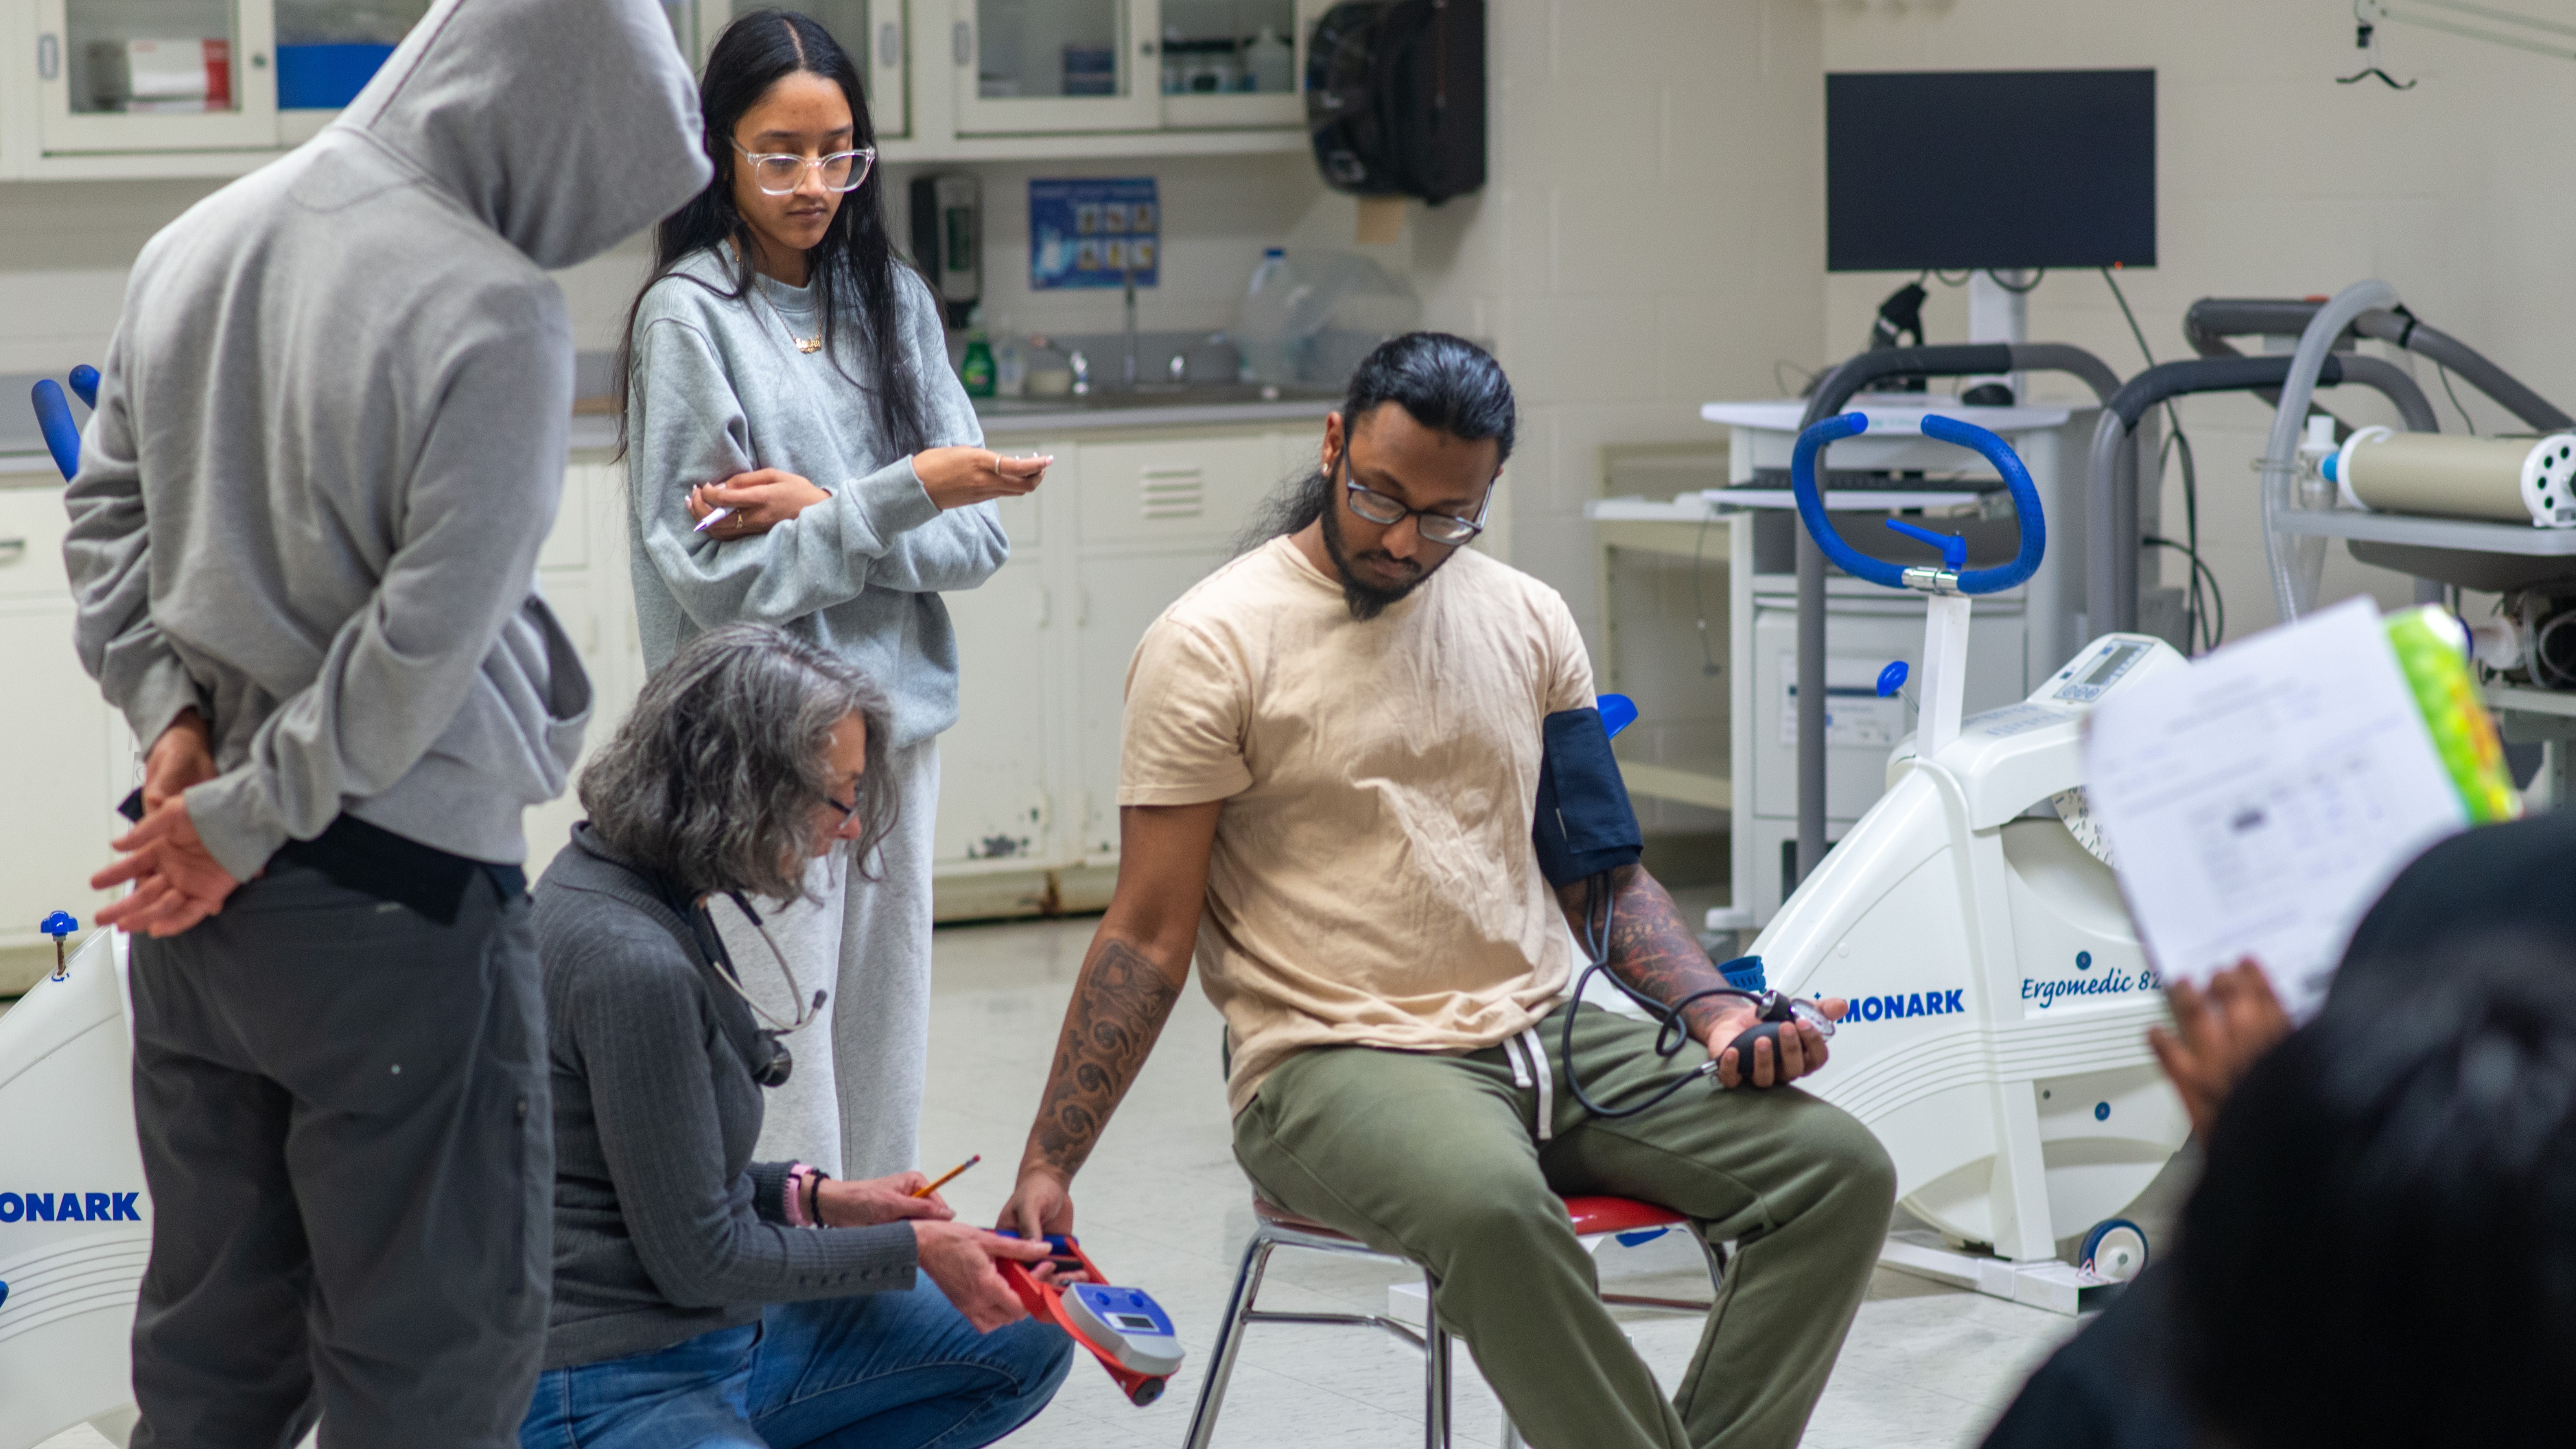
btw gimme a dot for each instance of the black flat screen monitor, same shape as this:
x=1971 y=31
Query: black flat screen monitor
x=1997 y=168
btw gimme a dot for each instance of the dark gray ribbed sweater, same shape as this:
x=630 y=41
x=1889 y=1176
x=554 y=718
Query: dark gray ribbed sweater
x=664 y=1227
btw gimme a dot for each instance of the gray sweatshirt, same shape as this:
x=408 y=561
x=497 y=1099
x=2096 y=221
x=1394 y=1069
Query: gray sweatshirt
x=722 y=389
x=664 y=1227
x=331 y=429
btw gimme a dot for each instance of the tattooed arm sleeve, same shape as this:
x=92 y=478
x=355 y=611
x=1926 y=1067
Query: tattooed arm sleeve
x=1119 y=1007
x=1652 y=947
x=1137 y=966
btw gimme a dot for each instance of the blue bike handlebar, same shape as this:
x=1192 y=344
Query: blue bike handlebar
x=54 y=420
x=2025 y=496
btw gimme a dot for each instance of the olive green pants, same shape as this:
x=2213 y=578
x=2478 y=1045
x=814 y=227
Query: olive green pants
x=1436 y=1158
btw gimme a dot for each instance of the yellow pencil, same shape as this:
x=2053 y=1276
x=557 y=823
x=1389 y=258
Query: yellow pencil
x=926 y=1189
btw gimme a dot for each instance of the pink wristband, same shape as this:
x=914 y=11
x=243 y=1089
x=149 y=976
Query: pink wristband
x=801 y=1189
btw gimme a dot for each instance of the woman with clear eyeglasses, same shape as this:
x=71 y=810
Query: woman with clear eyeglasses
x=799 y=453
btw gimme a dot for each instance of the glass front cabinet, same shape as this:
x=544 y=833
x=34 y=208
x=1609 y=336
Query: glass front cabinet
x=1033 y=66
x=141 y=76
x=134 y=78
x=155 y=75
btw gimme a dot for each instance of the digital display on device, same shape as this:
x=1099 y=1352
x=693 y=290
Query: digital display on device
x=2112 y=663
x=1134 y=1320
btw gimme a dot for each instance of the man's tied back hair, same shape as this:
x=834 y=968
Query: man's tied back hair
x=1447 y=383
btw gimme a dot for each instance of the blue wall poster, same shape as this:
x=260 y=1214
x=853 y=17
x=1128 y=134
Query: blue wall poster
x=1087 y=233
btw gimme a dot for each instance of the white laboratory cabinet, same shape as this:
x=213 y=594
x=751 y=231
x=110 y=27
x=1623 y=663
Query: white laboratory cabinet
x=68 y=762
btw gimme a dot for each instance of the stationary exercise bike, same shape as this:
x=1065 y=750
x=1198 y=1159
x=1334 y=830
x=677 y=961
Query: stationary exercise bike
x=75 y=1220
x=2000 y=1001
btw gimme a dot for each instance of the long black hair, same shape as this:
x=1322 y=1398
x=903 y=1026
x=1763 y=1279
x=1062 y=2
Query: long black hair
x=853 y=269
x=1445 y=382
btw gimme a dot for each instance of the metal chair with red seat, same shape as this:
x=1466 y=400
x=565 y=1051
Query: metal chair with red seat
x=1275 y=1227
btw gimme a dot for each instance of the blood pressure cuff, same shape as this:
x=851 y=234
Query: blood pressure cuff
x=1585 y=824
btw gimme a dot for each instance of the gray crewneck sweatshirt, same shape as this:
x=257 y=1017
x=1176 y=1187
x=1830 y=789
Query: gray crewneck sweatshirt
x=331 y=435
x=721 y=388
x=664 y=1227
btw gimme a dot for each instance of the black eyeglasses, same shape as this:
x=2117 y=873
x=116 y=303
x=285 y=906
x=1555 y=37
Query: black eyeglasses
x=846 y=810
x=1447 y=529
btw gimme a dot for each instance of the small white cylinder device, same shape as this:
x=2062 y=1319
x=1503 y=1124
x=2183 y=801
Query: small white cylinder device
x=2510 y=480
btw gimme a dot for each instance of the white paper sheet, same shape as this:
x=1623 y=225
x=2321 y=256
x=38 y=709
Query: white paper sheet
x=2260 y=801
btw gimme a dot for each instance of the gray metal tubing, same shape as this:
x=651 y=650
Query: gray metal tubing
x=1435 y=1368
x=1396 y=1326
x=2212 y=319
x=1975 y=359
x=2293 y=592
x=1229 y=1340
x=2117 y=468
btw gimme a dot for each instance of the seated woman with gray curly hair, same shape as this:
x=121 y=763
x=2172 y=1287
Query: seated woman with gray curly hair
x=701 y=1298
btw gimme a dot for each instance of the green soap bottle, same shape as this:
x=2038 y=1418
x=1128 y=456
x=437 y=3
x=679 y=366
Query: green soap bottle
x=975 y=369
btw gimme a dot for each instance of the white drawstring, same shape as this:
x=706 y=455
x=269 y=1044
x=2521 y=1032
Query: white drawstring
x=1545 y=1121
x=1520 y=1068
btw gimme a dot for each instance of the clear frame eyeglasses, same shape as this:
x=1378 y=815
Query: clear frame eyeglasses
x=1447 y=529
x=779 y=173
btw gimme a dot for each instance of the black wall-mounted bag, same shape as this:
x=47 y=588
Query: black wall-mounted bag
x=1395 y=97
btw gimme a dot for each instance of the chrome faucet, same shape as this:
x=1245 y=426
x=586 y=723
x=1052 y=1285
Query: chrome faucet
x=1129 y=273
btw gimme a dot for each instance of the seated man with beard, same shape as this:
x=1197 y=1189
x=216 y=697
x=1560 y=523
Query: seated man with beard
x=1329 y=778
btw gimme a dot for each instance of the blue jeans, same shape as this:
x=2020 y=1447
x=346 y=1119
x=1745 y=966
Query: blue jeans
x=887 y=1370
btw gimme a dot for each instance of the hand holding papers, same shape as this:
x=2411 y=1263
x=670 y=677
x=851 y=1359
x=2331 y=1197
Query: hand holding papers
x=2259 y=802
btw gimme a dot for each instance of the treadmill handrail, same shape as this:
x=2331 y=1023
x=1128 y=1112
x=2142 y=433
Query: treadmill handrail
x=2211 y=320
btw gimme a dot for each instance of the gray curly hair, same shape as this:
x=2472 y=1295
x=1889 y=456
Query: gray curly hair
x=713 y=780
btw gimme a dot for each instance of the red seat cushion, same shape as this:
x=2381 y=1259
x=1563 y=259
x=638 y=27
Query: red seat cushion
x=1618 y=1215
x=1591 y=1215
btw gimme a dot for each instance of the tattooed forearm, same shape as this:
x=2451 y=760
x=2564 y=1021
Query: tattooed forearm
x=1118 y=1009
x=1652 y=947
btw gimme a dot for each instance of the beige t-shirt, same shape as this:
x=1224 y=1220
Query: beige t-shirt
x=1373 y=880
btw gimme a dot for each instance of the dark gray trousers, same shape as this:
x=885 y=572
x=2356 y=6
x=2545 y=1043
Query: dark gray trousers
x=346 y=1131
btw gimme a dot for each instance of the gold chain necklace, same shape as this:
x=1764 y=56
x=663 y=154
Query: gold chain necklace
x=806 y=345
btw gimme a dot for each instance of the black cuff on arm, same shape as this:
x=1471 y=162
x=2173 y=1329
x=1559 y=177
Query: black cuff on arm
x=1584 y=823
x=769 y=1191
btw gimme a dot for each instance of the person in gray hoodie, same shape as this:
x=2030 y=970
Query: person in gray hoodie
x=801 y=455
x=329 y=440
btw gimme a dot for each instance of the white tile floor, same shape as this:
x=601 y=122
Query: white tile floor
x=1163 y=1205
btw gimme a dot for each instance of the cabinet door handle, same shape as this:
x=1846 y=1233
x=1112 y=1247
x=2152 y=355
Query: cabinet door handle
x=889 y=46
x=961 y=43
x=12 y=550
x=49 y=57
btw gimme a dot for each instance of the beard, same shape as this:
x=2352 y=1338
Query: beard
x=1366 y=601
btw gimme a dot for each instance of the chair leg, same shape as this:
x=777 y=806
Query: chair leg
x=1435 y=1368
x=1229 y=1338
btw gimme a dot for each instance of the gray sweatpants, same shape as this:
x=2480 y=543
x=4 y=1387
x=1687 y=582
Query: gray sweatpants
x=853 y=1104
x=345 y=1127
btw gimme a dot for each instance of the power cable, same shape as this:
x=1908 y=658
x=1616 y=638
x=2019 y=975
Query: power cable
x=2197 y=607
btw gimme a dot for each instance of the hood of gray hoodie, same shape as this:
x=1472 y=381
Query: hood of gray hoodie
x=566 y=125
x=331 y=431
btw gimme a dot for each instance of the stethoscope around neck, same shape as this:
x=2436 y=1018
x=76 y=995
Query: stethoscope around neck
x=776 y=1064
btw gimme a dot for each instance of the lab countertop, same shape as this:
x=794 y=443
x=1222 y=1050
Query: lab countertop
x=1168 y=407
x=26 y=466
